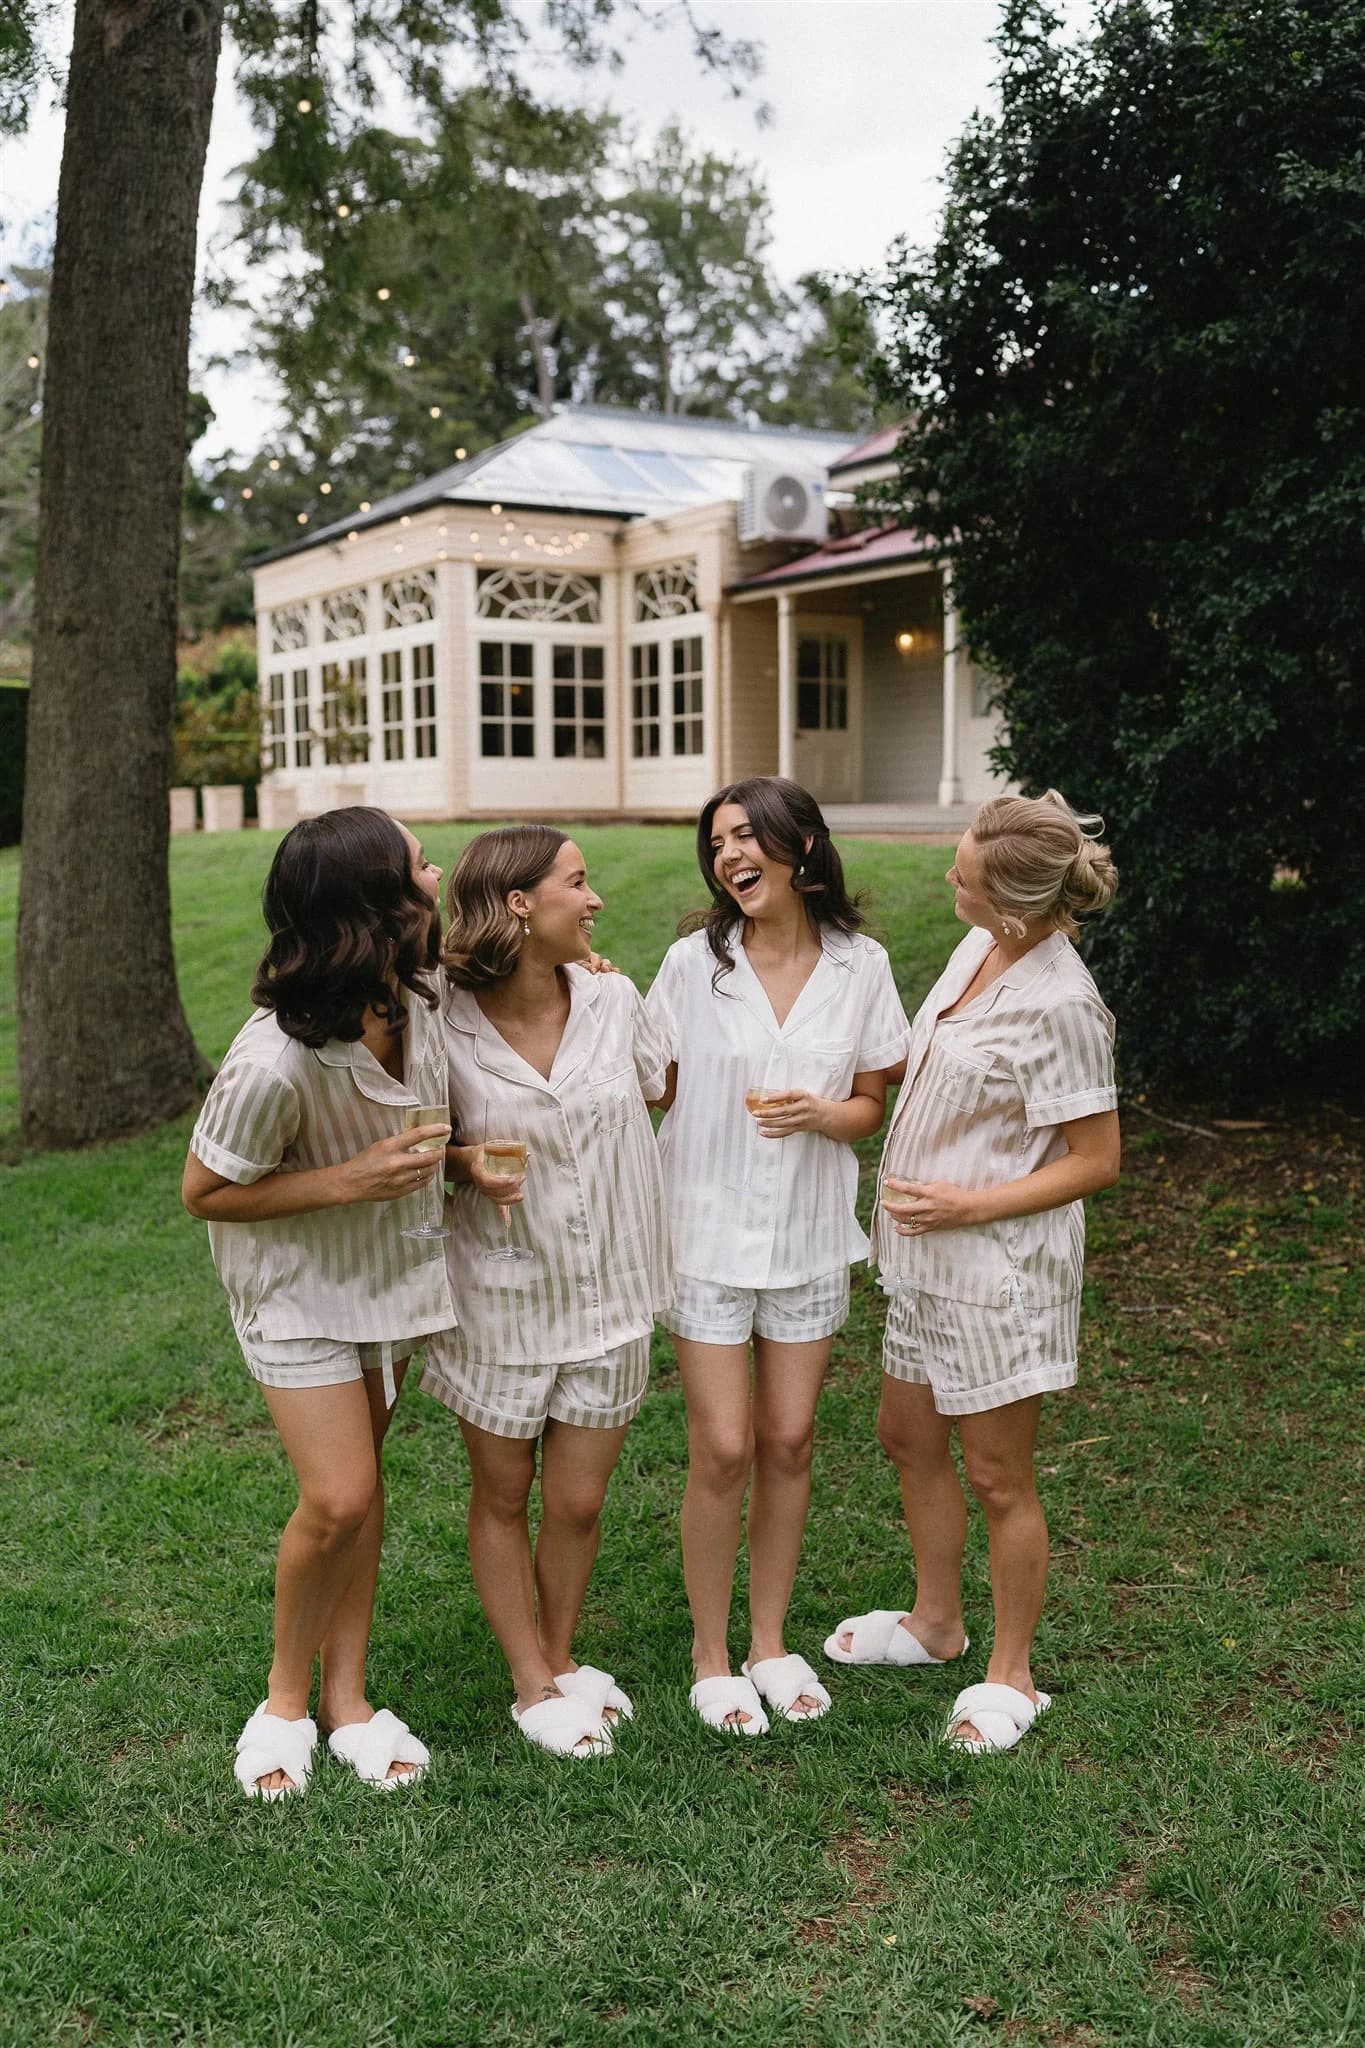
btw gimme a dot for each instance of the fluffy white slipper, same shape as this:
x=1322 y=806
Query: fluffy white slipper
x=878 y=1638
x=560 y=1725
x=782 y=1680
x=268 y=1744
x=1000 y=1714
x=369 y=1747
x=598 y=1690
x=714 y=1698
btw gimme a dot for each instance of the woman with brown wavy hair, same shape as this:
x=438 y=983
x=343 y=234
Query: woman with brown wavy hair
x=550 y=1070
x=301 y=1164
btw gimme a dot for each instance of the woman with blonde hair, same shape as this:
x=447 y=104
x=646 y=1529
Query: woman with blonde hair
x=558 y=1252
x=1006 y=1120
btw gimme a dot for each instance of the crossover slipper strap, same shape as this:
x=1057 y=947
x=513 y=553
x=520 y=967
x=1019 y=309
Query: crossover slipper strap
x=370 y=1747
x=560 y=1725
x=597 y=1689
x=717 y=1698
x=1001 y=1714
x=268 y=1743
x=781 y=1681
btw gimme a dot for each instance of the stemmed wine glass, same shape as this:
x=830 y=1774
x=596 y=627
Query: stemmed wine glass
x=430 y=1226
x=509 y=1156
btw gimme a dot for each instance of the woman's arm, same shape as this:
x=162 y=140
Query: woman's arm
x=857 y=1117
x=666 y=1100
x=381 y=1173
x=1091 y=1162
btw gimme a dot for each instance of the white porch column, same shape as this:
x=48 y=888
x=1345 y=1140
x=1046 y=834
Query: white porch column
x=786 y=685
x=949 y=781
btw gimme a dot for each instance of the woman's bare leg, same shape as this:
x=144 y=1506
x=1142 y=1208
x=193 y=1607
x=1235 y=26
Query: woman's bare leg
x=327 y=1436
x=787 y=1383
x=917 y=1440
x=997 y=1449
x=575 y=1467
x=720 y=1452
x=500 y=1554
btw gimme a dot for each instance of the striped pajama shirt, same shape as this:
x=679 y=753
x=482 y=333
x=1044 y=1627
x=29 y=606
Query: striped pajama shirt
x=565 y=1336
x=988 y=1314
x=346 y=1275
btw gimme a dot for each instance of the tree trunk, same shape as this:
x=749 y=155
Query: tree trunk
x=104 y=1048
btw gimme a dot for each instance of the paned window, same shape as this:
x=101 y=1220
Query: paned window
x=556 y=596
x=688 y=733
x=822 y=682
x=273 y=739
x=391 y=703
x=345 y=713
x=343 y=614
x=410 y=600
x=668 y=592
x=288 y=628
x=424 y=701
x=303 y=738
x=646 y=725
x=507 y=699
x=579 y=703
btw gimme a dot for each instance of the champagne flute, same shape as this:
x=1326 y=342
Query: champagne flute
x=509 y=1156
x=430 y=1226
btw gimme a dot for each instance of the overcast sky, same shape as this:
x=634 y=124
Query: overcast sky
x=865 y=95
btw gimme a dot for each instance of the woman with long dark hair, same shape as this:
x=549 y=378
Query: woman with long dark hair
x=311 y=1185
x=781 y=1018
x=558 y=1248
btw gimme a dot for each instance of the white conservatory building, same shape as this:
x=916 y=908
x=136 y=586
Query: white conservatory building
x=610 y=615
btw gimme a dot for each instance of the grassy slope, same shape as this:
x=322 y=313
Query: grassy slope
x=1175 y=1857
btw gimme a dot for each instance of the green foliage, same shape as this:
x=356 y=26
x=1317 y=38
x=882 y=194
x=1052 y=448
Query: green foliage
x=218 y=740
x=1134 y=368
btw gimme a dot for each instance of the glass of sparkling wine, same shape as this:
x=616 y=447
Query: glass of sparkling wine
x=429 y=1225
x=505 y=1156
x=770 y=1084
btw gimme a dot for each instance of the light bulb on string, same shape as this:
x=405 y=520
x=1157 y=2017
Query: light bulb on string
x=435 y=411
x=303 y=518
x=383 y=292
x=406 y=520
x=274 y=462
x=343 y=211
x=305 y=106
x=364 y=504
x=33 y=362
x=325 y=489
x=496 y=511
x=459 y=454
x=409 y=362
x=353 y=535
x=247 y=491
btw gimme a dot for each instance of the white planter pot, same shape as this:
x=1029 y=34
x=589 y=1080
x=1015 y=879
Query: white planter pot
x=184 y=811
x=276 y=808
x=224 y=807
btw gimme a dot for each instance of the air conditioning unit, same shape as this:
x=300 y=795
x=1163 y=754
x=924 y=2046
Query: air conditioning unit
x=780 y=504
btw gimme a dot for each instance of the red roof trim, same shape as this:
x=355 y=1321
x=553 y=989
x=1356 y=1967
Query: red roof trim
x=874 y=548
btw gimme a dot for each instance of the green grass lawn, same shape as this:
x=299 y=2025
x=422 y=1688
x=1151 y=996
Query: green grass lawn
x=1174 y=1857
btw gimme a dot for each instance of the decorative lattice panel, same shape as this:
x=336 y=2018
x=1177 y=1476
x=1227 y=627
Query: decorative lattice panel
x=288 y=628
x=668 y=592
x=410 y=600
x=343 y=614
x=558 y=598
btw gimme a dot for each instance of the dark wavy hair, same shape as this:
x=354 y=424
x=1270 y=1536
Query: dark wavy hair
x=349 y=928
x=784 y=816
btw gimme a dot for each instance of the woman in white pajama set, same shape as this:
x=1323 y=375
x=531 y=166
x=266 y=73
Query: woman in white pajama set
x=1006 y=1119
x=303 y=1169
x=780 y=993
x=551 y=1351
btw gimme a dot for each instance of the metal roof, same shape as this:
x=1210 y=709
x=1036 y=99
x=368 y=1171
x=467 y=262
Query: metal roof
x=590 y=458
x=878 y=547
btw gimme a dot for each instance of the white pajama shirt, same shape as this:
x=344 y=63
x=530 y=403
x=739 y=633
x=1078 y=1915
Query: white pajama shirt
x=988 y=1314
x=753 y=1212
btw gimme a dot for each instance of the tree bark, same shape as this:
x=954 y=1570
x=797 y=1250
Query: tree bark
x=104 y=1046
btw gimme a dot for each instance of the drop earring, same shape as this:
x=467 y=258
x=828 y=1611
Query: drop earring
x=526 y=926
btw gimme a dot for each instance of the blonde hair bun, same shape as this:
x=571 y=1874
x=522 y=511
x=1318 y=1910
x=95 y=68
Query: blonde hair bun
x=1041 y=859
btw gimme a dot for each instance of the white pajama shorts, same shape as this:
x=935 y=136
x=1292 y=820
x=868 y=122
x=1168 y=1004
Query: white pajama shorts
x=709 y=1312
x=974 y=1357
x=518 y=1400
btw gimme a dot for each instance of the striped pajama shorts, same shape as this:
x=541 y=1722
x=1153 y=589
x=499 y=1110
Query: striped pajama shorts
x=974 y=1357
x=518 y=1400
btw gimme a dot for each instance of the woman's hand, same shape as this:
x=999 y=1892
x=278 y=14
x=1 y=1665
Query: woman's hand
x=386 y=1171
x=504 y=1190
x=798 y=1110
x=598 y=963
x=919 y=1206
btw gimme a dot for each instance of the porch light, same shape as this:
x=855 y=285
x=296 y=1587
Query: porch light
x=905 y=643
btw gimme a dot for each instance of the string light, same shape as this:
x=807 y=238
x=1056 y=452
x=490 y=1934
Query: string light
x=353 y=536
x=303 y=518
x=478 y=558
x=459 y=454
x=409 y=362
x=443 y=531
x=274 y=462
x=473 y=536
x=325 y=489
x=305 y=106
x=444 y=555
x=496 y=511
x=383 y=292
x=405 y=520
x=343 y=211
x=248 y=492
x=435 y=411
x=33 y=362
x=364 y=504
